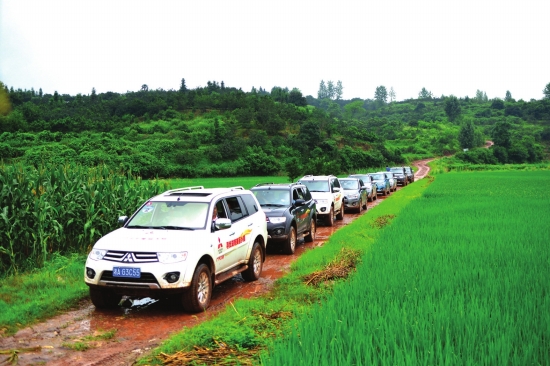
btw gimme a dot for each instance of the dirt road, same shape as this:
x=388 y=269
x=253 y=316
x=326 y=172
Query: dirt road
x=142 y=324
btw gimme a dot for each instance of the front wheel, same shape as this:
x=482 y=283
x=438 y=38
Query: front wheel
x=330 y=218
x=197 y=297
x=104 y=299
x=290 y=244
x=340 y=215
x=255 y=264
x=313 y=228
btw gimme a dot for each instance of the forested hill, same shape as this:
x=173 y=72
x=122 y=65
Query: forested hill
x=223 y=131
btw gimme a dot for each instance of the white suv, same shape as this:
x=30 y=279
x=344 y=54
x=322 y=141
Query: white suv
x=328 y=195
x=180 y=244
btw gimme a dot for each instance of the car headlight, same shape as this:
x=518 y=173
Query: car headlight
x=97 y=254
x=322 y=202
x=277 y=220
x=172 y=257
x=353 y=196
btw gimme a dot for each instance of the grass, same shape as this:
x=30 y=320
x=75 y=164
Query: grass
x=251 y=324
x=26 y=299
x=457 y=278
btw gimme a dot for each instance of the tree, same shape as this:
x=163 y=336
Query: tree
x=501 y=134
x=295 y=97
x=339 y=90
x=5 y=105
x=392 y=95
x=330 y=90
x=381 y=94
x=508 y=96
x=466 y=135
x=479 y=96
x=144 y=88
x=425 y=94
x=93 y=97
x=183 y=87
x=293 y=168
x=546 y=91
x=452 y=108
x=322 y=93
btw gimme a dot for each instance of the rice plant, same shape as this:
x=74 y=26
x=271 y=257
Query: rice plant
x=462 y=276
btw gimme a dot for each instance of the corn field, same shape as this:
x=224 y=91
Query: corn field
x=460 y=277
x=61 y=209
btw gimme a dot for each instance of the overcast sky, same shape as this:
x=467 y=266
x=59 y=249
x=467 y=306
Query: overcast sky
x=458 y=47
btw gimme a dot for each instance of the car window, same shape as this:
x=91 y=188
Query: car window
x=250 y=203
x=307 y=195
x=336 y=183
x=317 y=185
x=235 y=210
x=297 y=193
x=349 y=184
x=191 y=215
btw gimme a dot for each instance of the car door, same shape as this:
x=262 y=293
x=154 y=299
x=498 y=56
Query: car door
x=299 y=211
x=237 y=240
x=337 y=196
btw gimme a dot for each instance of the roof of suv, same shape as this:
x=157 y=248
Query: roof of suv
x=317 y=177
x=197 y=193
x=275 y=185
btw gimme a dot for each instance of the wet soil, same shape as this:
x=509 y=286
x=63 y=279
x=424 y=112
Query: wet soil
x=142 y=324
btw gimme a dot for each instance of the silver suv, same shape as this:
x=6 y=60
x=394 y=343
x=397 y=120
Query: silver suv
x=328 y=195
x=180 y=244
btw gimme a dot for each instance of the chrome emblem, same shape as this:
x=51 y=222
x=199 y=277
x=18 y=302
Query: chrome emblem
x=128 y=257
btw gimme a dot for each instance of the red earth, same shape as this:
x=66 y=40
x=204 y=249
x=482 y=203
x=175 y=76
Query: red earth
x=142 y=324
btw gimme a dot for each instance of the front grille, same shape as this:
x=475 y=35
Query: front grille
x=145 y=278
x=130 y=257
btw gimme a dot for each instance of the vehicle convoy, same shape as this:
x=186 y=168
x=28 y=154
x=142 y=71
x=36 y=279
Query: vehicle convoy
x=382 y=183
x=329 y=198
x=369 y=182
x=355 y=194
x=290 y=211
x=400 y=175
x=179 y=245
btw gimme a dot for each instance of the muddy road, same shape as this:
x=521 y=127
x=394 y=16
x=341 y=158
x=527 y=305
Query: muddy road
x=143 y=323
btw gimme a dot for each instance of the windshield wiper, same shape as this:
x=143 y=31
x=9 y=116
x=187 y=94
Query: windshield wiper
x=170 y=227
x=273 y=204
x=140 y=227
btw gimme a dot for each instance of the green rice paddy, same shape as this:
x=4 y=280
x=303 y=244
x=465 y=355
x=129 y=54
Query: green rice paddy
x=460 y=277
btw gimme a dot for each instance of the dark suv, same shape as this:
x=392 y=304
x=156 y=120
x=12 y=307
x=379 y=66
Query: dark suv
x=400 y=174
x=290 y=210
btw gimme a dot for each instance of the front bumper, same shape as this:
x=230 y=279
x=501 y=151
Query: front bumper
x=276 y=232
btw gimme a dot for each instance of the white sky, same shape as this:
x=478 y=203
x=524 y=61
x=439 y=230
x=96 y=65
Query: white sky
x=448 y=47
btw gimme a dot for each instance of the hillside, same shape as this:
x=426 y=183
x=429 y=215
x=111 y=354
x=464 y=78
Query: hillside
x=223 y=131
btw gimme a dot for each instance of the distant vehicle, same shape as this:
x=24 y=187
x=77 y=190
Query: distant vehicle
x=328 y=196
x=382 y=183
x=392 y=180
x=400 y=174
x=291 y=213
x=179 y=244
x=369 y=183
x=410 y=174
x=355 y=193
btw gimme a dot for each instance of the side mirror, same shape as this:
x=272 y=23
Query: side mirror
x=222 y=224
x=122 y=220
x=299 y=202
x=335 y=189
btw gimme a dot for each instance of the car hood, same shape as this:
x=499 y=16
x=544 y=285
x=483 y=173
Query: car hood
x=151 y=240
x=273 y=211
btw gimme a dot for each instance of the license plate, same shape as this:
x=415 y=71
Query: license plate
x=126 y=272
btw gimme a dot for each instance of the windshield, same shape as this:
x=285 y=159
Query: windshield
x=272 y=197
x=397 y=170
x=349 y=184
x=378 y=176
x=316 y=185
x=170 y=215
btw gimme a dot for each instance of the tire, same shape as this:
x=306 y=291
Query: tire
x=340 y=215
x=365 y=206
x=330 y=218
x=255 y=263
x=290 y=244
x=360 y=208
x=104 y=299
x=312 y=230
x=197 y=297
